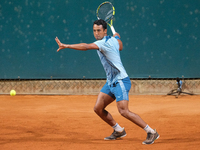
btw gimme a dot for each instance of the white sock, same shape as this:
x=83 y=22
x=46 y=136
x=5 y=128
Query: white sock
x=117 y=128
x=149 y=129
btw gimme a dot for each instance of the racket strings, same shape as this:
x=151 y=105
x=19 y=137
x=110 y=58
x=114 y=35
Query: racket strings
x=105 y=12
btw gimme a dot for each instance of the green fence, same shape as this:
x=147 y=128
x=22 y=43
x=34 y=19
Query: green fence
x=161 y=38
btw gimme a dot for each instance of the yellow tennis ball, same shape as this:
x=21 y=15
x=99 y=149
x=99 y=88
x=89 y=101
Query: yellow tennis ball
x=12 y=92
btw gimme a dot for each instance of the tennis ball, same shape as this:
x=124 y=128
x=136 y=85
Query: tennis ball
x=12 y=92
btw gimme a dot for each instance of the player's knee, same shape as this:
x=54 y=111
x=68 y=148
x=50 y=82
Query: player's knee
x=124 y=112
x=96 y=110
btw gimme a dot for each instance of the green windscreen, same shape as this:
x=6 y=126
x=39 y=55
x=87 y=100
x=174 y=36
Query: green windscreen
x=161 y=38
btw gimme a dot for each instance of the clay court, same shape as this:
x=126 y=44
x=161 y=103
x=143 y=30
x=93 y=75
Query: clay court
x=68 y=122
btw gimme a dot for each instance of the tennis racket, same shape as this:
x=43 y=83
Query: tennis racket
x=106 y=11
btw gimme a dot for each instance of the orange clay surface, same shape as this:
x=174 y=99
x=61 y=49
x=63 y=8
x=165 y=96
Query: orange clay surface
x=34 y=122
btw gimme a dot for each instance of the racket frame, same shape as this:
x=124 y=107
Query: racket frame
x=111 y=18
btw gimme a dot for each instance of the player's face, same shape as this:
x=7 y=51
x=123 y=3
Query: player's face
x=99 y=32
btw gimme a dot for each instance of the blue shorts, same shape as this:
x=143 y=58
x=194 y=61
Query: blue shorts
x=118 y=90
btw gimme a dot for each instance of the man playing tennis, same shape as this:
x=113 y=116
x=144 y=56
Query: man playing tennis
x=118 y=83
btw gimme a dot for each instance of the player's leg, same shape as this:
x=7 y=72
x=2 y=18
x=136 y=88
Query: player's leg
x=121 y=91
x=152 y=135
x=125 y=112
x=104 y=100
x=105 y=97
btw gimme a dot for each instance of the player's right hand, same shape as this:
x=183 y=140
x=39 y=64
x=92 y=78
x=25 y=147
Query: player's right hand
x=61 y=46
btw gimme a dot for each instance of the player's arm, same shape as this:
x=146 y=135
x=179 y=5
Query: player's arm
x=80 y=46
x=119 y=41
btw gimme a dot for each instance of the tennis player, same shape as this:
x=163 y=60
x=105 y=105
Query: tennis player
x=118 y=83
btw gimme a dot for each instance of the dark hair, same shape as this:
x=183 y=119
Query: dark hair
x=101 y=22
x=177 y=79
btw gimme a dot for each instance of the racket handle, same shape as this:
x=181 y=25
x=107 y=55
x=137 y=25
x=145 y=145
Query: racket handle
x=112 y=29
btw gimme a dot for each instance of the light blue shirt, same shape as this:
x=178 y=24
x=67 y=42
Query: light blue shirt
x=110 y=58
